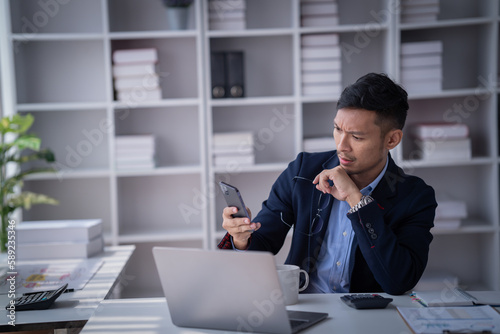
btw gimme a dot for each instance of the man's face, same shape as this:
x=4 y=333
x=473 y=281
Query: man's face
x=360 y=145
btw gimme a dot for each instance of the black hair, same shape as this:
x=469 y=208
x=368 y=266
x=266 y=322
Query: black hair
x=377 y=92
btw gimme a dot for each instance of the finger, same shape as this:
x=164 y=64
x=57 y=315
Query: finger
x=249 y=213
x=228 y=212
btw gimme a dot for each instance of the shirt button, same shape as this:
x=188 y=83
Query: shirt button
x=338 y=263
x=344 y=234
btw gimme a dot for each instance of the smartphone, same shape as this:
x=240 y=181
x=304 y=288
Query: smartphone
x=233 y=198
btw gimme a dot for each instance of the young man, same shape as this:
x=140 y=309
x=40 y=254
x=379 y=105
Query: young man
x=360 y=223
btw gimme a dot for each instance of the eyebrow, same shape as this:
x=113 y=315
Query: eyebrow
x=357 y=133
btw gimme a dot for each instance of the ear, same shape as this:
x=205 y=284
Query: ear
x=393 y=138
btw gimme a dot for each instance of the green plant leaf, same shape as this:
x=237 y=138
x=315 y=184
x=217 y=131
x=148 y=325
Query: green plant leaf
x=44 y=154
x=27 y=141
x=16 y=123
x=27 y=198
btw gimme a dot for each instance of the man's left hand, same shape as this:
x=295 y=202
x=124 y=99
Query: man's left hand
x=343 y=188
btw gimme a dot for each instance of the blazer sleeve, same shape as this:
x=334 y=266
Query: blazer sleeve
x=395 y=241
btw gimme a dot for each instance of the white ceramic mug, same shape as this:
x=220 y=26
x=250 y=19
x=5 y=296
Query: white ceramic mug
x=289 y=276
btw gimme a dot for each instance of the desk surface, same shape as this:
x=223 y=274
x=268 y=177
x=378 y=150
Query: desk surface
x=151 y=316
x=72 y=310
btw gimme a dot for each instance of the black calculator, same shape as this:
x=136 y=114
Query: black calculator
x=39 y=300
x=366 y=300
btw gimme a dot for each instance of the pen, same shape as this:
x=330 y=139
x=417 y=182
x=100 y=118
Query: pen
x=414 y=297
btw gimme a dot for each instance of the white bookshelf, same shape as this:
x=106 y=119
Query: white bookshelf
x=59 y=69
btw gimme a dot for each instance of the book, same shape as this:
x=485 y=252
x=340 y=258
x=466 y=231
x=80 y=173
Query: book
x=455 y=296
x=440 y=320
x=235 y=74
x=423 y=86
x=130 y=56
x=320 y=20
x=439 y=130
x=321 y=8
x=321 y=64
x=423 y=60
x=318 y=52
x=224 y=5
x=319 y=39
x=233 y=150
x=421 y=73
x=230 y=14
x=237 y=24
x=436 y=280
x=75 y=230
x=218 y=74
x=224 y=139
x=322 y=77
x=60 y=249
x=127 y=141
x=444 y=150
x=331 y=89
x=148 y=82
x=131 y=70
x=417 y=48
x=141 y=94
x=225 y=160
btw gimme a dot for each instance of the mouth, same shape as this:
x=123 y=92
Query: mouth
x=346 y=161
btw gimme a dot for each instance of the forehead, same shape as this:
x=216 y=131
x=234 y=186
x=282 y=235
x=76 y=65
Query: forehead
x=355 y=118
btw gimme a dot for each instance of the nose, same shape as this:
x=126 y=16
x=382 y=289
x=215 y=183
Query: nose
x=342 y=143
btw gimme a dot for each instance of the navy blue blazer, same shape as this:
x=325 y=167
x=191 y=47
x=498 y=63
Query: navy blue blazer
x=392 y=234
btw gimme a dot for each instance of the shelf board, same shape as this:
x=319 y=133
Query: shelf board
x=446 y=163
x=70 y=174
x=447 y=23
x=160 y=236
x=250 y=33
x=167 y=170
x=152 y=34
x=57 y=106
x=251 y=101
x=267 y=167
x=346 y=28
x=187 y=102
x=70 y=37
x=449 y=93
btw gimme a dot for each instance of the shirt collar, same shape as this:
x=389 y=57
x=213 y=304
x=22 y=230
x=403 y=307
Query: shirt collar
x=369 y=188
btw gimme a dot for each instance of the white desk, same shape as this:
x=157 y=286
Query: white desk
x=151 y=316
x=72 y=310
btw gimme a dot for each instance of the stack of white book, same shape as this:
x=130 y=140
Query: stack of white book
x=319 y=144
x=321 y=65
x=414 y=11
x=135 y=75
x=135 y=151
x=53 y=239
x=319 y=13
x=422 y=66
x=449 y=214
x=227 y=14
x=441 y=142
x=233 y=148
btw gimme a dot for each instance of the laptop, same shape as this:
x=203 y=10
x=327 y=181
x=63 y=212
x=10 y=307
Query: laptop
x=226 y=290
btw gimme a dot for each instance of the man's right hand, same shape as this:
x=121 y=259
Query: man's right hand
x=239 y=228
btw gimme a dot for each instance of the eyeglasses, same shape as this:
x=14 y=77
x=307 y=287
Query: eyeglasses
x=317 y=221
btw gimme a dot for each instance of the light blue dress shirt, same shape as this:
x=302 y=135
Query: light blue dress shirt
x=333 y=260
